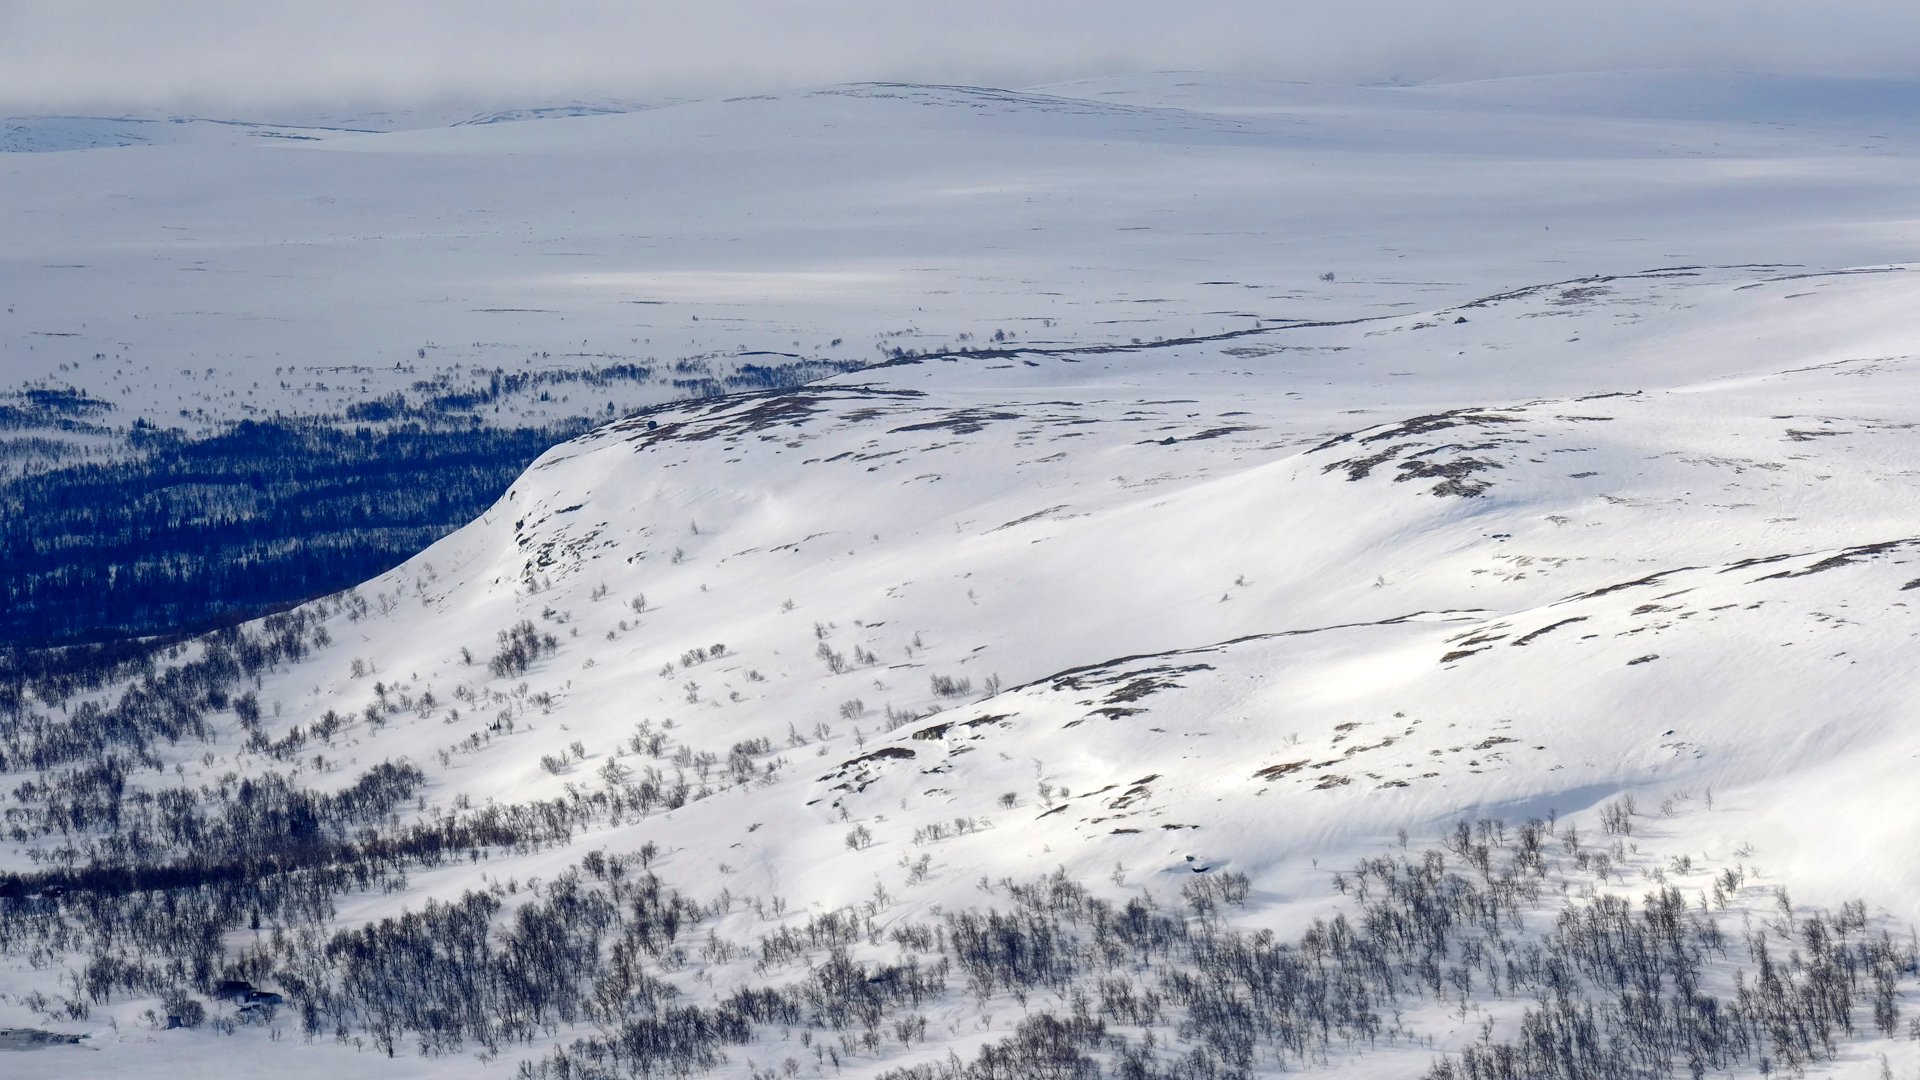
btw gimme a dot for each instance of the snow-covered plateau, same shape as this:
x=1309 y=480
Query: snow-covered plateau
x=1380 y=581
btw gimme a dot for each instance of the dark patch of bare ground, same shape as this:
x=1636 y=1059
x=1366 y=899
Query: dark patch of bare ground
x=1528 y=637
x=960 y=421
x=1454 y=476
x=744 y=414
x=1845 y=557
x=1415 y=426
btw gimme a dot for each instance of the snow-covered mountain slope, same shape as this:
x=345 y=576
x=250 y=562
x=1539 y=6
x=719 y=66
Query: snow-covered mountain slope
x=234 y=276
x=1672 y=479
x=907 y=637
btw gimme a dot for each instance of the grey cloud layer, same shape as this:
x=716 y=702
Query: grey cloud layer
x=106 y=54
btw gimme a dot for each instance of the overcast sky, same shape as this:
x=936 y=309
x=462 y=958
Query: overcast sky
x=246 y=55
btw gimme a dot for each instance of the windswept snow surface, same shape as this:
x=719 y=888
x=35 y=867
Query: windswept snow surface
x=1426 y=542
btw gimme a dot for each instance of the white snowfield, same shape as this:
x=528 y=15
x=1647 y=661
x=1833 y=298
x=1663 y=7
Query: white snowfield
x=1592 y=473
x=226 y=271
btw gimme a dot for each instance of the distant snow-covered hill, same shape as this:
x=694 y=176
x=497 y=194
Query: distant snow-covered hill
x=53 y=134
x=222 y=271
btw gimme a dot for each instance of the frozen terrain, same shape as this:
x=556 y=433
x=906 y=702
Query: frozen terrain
x=221 y=274
x=1583 y=492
